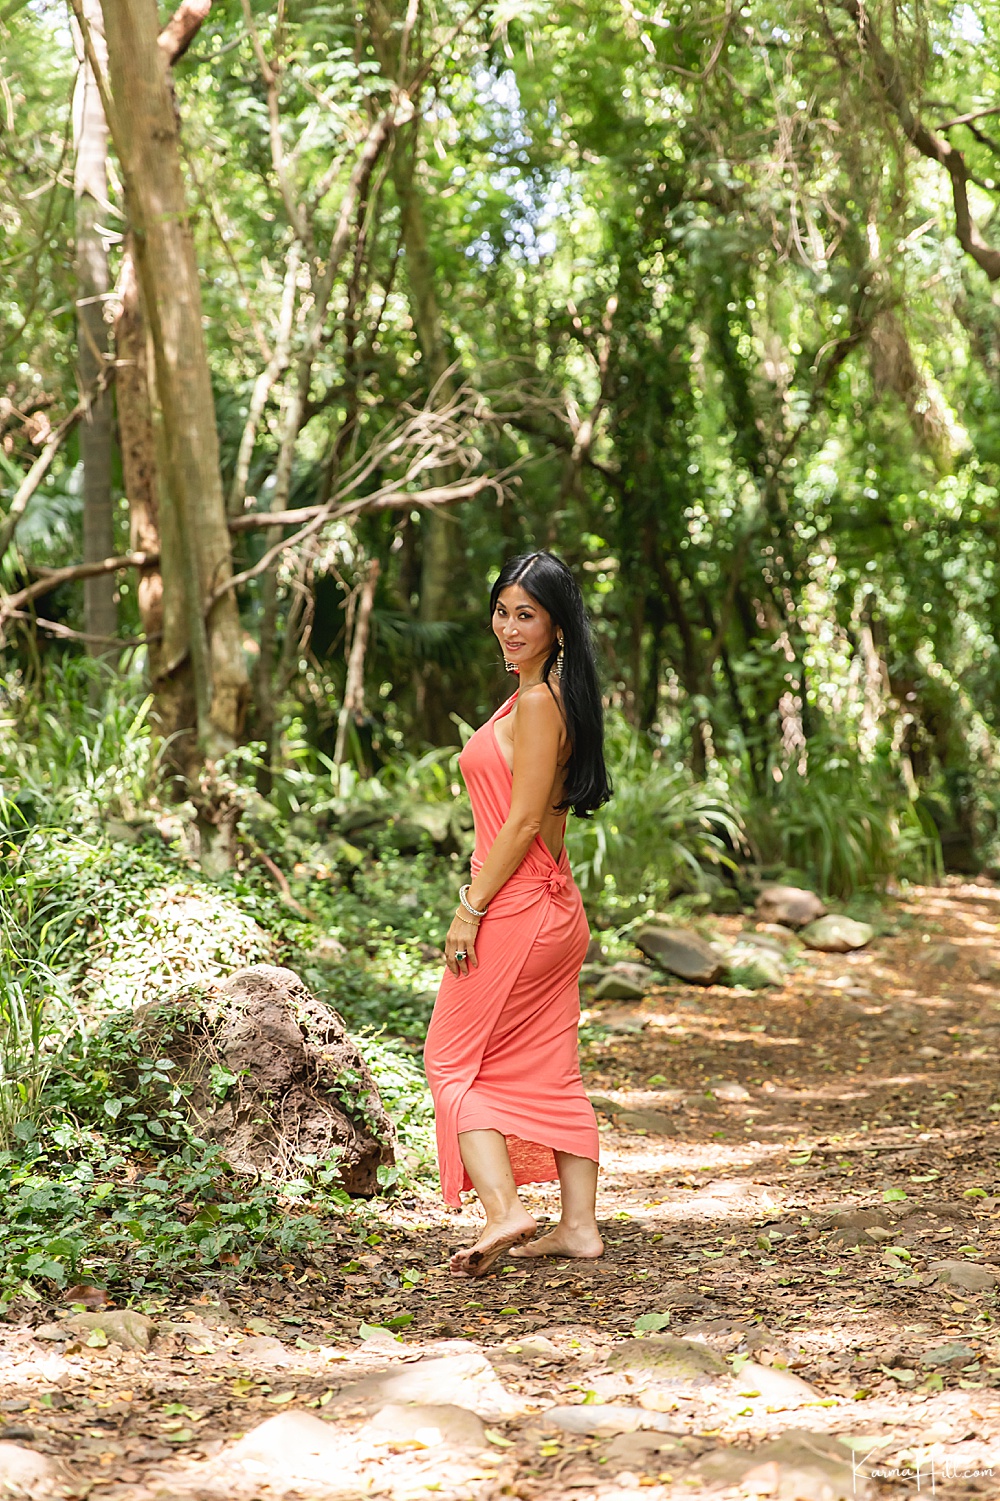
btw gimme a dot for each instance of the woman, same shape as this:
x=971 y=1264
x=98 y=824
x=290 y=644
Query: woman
x=501 y=1050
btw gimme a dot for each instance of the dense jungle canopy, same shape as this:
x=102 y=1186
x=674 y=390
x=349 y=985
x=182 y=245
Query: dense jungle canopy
x=313 y=313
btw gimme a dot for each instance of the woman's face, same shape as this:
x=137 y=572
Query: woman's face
x=524 y=629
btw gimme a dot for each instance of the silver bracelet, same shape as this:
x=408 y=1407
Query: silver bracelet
x=463 y=896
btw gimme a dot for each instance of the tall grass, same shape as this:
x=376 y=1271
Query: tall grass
x=82 y=748
x=34 y=927
x=661 y=830
x=849 y=826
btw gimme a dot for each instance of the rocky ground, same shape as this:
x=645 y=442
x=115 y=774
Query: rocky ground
x=800 y=1206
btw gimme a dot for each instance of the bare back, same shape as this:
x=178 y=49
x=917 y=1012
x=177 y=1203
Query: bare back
x=553 y=827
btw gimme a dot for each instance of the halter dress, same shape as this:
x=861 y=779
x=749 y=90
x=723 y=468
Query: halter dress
x=501 y=1051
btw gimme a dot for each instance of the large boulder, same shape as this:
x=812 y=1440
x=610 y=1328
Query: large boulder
x=680 y=952
x=274 y=1078
x=837 y=935
x=791 y=906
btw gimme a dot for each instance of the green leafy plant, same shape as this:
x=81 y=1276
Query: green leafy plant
x=848 y=825
x=660 y=830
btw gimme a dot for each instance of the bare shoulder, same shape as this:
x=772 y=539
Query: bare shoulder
x=540 y=708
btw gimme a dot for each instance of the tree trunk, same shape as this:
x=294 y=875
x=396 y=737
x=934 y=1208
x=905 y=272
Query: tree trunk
x=196 y=554
x=137 y=441
x=439 y=531
x=354 y=688
x=90 y=187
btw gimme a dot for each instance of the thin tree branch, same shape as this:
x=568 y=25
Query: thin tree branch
x=977 y=114
x=381 y=501
x=56 y=628
x=53 y=577
x=275 y=366
x=42 y=464
x=182 y=28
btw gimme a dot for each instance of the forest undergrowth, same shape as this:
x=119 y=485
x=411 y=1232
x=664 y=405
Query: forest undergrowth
x=348 y=882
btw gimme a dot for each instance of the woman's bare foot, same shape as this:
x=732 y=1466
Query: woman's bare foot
x=585 y=1244
x=491 y=1245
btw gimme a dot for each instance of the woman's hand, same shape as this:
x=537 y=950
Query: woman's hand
x=461 y=939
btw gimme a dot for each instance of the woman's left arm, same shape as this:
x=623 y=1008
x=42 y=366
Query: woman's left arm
x=539 y=734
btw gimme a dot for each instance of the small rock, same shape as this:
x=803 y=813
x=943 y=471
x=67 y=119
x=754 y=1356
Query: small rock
x=603 y=1105
x=533 y=1347
x=466 y=1380
x=639 y=974
x=620 y=1019
x=837 y=935
x=24 y=1473
x=768 y=965
x=651 y=1122
x=776 y=1387
x=668 y=1361
x=797 y=1466
x=53 y=1332
x=16 y=1432
x=943 y=955
x=682 y=953
x=850 y=1228
x=965 y=1275
x=122 y=1326
x=291 y=1446
x=640 y=1451
x=677 y=1294
x=382 y=1342
x=618 y=988
x=791 y=906
x=605 y=1417
x=445 y=1424
x=929 y=1052
x=730 y=1092
x=263 y=1349
x=952 y=1354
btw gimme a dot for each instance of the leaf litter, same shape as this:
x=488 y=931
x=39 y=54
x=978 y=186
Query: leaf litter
x=798 y=1295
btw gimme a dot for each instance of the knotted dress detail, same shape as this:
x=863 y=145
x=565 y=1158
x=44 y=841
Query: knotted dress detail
x=501 y=1051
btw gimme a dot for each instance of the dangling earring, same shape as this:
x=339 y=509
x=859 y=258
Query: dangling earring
x=511 y=667
x=558 y=667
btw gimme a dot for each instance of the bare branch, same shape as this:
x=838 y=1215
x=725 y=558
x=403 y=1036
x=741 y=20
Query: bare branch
x=389 y=499
x=977 y=114
x=53 y=577
x=42 y=464
x=893 y=85
x=56 y=628
x=182 y=28
x=275 y=366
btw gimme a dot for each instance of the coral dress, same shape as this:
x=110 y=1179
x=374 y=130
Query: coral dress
x=501 y=1052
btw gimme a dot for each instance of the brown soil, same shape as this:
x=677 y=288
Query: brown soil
x=870 y=1085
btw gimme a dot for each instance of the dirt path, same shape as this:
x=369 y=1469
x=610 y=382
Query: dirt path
x=744 y=1133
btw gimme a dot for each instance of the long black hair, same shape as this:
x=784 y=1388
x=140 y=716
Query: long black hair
x=550 y=583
